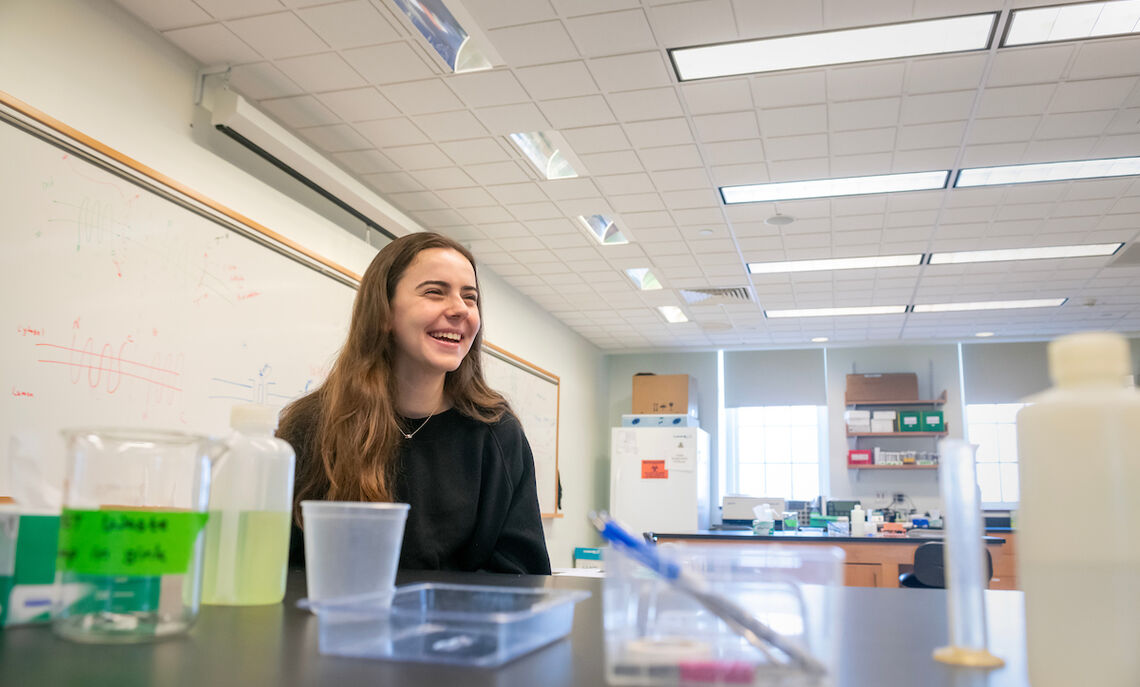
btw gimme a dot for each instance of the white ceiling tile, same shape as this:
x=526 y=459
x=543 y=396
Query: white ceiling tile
x=734 y=152
x=791 y=121
x=262 y=80
x=761 y=18
x=1106 y=57
x=931 y=135
x=509 y=119
x=391 y=132
x=630 y=72
x=693 y=23
x=349 y=24
x=487 y=89
x=475 y=151
x=335 y=138
x=867 y=141
x=659 y=132
x=570 y=189
x=223 y=9
x=444 y=178
x=945 y=73
x=596 y=139
x=573 y=8
x=171 y=14
x=366 y=161
x=392 y=182
x=1012 y=101
x=639 y=202
x=670 y=157
x=863 y=114
x=1080 y=96
x=682 y=179
x=717 y=95
x=212 y=44
x=388 y=63
x=1002 y=130
x=421 y=97
x=358 y=104
x=300 y=111
x=1074 y=124
x=497 y=173
x=524 y=192
x=450 y=126
x=937 y=107
x=858 y=165
x=318 y=73
x=417 y=200
x=794 y=147
x=414 y=157
x=840 y=14
x=1029 y=65
x=588 y=110
x=612 y=32
x=652 y=103
x=733 y=175
x=1059 y=150
x=927 y=159
x=619 y=162
x=645 y=220
x=857 y=83
x=466 y=197
x=558 y=80
x=1117 y=146
x=618 y=184
x=538 y=43
x=495 y=13
x=696 y=198
x=786 y=90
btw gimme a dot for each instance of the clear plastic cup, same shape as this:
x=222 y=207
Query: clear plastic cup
x=351 y=548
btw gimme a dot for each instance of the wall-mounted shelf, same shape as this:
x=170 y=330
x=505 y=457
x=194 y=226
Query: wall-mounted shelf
x=941 y=400
x=892 y=467
x=898 y=434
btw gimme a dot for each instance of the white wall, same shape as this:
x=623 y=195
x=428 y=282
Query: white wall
x=96 y=68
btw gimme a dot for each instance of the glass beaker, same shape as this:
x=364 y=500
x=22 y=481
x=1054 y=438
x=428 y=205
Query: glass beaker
x=131 y=533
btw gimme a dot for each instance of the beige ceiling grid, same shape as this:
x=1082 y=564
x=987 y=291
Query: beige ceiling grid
x=355 y=80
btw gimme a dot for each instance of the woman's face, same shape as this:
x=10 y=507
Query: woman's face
x=435 y=314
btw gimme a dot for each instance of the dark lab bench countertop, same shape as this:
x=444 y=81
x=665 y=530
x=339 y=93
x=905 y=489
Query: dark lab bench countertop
x=748 y=536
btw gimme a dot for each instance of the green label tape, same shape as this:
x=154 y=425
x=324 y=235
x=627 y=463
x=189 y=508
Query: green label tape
x=128 y=542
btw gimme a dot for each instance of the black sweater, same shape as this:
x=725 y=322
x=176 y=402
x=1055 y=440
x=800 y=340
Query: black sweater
x=471 y=486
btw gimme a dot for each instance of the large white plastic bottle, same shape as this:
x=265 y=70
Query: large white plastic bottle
x=858 y=521
x=1079 y=443
x=251 y=497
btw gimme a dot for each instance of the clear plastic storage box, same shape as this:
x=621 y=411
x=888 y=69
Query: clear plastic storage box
x=470 y=625
x=657 y=635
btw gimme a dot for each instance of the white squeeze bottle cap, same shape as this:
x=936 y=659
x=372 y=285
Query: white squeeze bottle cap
x=1088 y=358
x=254 y=416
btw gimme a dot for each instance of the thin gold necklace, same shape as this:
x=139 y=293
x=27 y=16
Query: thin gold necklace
x=409 y=436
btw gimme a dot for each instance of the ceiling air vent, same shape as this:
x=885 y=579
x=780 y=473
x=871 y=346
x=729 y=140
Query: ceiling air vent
x=737 y=294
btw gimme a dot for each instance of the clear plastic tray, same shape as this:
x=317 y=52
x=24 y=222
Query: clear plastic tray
x=470 y=625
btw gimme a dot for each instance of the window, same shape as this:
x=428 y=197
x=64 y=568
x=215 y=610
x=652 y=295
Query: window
x=777 y=450
x=993 y=427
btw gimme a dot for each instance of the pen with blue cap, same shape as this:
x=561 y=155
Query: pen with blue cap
x=737 y=618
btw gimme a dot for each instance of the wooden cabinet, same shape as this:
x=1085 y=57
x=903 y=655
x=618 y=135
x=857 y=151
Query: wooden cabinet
x=1005 y=561
x=862 y=574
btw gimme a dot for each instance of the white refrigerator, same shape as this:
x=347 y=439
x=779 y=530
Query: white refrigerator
x=659 y=478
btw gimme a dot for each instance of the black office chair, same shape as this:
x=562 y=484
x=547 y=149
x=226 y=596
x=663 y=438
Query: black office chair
x=928 y=572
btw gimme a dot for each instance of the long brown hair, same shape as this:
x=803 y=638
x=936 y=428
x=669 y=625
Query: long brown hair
x=351 y=449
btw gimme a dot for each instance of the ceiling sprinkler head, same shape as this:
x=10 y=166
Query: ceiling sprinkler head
x=778 y=220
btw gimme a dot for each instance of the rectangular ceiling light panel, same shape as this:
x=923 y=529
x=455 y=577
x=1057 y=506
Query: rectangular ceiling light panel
x=991 y=305
x=838 y=312
x=830 y=188
x=1073 y=22
x=445 y=34
x=834 y=264
x=548 y=152
x=643 y=278
x=672 y=314
x=929 y=37
x=603 y=230
x=1048 y=171
x=1041 y=253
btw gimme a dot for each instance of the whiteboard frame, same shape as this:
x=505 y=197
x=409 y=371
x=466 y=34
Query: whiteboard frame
x=32 y=121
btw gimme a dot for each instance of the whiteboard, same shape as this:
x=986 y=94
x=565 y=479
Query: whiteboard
x=126 y=302
x=534 y=396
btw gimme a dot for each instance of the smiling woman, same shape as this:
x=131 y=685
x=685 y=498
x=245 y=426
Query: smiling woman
x=405 y=415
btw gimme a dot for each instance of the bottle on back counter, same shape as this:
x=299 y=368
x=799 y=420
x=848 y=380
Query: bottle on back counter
x=1081 y=440
x=251 y=499
x=858 y=521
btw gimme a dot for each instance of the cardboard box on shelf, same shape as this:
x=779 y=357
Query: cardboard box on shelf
x=888 y=386
x=910 y=421
x=932 y=421
x=855 y=417
x=882 y=426
x=859 y=457
x=883 y=415
x=664 y=394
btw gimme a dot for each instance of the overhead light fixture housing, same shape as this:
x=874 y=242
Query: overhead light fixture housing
x=828 y=188
x=445 y=33
x=1072 y=22
x=1049 y=171
x=835 y=264
x=909 y=39
x=548 y=152
x=643 y=278
x=603 y=229
x=990 y=305
x=838 y=312
x=984 y=335
x=672 y=314
x=1039 y=253
x=818 y=339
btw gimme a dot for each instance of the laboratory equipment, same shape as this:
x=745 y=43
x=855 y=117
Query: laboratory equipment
x=352 y=548
x=131 y=532
x=1082 y=437
x=965 y=559
x=659 y=478
x=738 y=510
x=251 y=500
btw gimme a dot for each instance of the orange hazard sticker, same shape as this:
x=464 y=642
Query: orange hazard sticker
x=654 y=469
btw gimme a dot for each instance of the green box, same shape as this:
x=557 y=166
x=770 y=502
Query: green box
x=910 y=421
x=28 y=548
x=932 y=421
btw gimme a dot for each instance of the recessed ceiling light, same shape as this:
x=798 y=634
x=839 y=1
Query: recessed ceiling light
x=818 y=339
x=1049 y=171
x=1071 y=22
x=643 y=279
x=834 y=264
x=446 y=35
x=1040 y=253
x=984 y=335
x=929 y=37
x=828 y=188
x=672 y=314
x=838 y=312
x=603 y=229
x=547 y=152
x=991 y=305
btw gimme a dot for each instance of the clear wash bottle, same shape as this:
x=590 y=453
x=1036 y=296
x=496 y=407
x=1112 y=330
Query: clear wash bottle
x=1079 y=454
x=251 y=498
